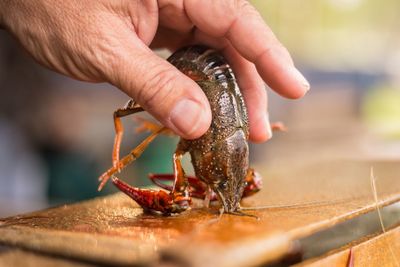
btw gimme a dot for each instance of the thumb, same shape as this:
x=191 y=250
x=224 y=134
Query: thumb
x=162 y=90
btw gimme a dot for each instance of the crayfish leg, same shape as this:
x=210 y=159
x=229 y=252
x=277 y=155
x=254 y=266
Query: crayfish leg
x=130 y=108
x=132 y=156
x=197 y=188
x=158 y=178
x=209 y=196
x=147 y=125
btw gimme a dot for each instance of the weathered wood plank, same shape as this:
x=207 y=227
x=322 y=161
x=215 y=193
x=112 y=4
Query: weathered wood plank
x=301 y=201
x=381 y=250
x=23 y=258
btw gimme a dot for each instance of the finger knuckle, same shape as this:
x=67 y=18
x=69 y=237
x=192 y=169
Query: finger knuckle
x=156 y=87
x=239 y=9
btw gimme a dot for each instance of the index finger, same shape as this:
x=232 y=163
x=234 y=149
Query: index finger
x=243 y=26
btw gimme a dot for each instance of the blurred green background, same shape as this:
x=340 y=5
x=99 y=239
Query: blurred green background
x=56 y=134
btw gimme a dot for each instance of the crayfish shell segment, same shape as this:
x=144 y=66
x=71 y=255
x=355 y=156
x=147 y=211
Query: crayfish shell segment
x=201 y=63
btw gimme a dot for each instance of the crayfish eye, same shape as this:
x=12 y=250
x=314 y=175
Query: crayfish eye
x=223 y=185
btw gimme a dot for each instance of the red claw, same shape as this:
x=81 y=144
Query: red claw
x=253 y=183
x=154 y=200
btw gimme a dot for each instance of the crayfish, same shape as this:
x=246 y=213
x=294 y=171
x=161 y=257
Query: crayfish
x=220 y=157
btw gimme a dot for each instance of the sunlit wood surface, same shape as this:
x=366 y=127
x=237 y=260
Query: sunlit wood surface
x=300 y=201
x=381 y=250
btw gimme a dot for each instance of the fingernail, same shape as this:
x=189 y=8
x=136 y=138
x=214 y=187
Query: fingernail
x=268 y=125
x=305 y=84
x=187 y=117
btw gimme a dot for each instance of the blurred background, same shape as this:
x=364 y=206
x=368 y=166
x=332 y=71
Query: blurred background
x=56 y=134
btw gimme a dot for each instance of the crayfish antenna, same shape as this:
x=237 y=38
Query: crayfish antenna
x=241 y=213
x=237 y=213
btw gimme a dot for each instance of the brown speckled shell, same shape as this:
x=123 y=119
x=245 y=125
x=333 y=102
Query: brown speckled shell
x=221 y=156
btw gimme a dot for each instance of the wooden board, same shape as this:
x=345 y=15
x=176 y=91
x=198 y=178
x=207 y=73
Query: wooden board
x=381 y=250
x=301 y=201
x=22 y=258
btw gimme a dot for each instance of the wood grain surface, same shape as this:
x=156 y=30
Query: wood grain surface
x=299 y=202
x=382 y=250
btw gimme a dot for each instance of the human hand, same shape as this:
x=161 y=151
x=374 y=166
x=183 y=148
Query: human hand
x=108 y=41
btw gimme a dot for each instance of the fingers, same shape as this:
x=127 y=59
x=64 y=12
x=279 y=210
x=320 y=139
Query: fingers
x=243 y=26
x=254 y=93
x=175 y=100
x=173 y=16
